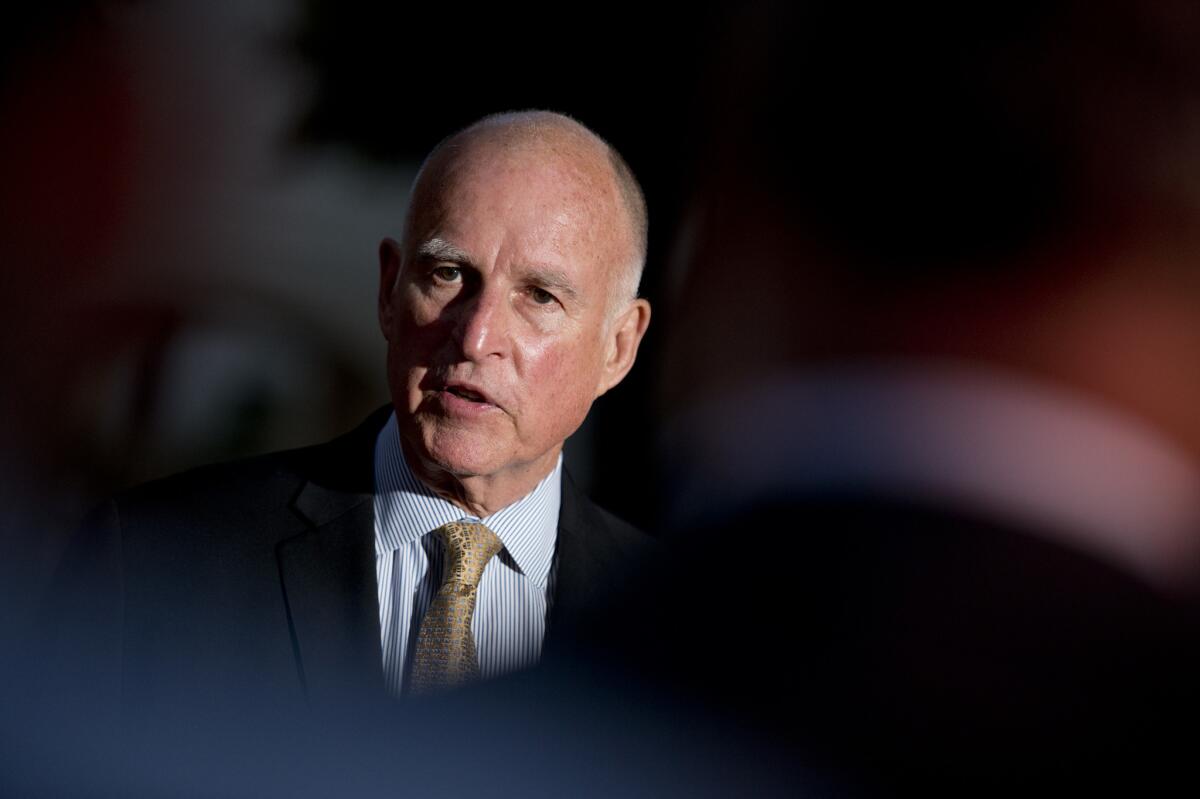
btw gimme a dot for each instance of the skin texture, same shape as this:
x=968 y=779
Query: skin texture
x=502 y=308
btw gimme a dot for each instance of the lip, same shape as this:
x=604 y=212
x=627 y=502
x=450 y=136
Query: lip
x=453 y=404
x=457 y=385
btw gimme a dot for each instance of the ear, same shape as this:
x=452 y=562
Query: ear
x=624 y=336
x=389 y=273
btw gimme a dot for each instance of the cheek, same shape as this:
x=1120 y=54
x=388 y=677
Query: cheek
x=422 y=333
x=561 y=378
x=420 y=310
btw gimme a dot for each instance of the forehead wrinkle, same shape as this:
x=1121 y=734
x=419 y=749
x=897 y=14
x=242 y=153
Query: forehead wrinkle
x=586 y=205
x=578 y=153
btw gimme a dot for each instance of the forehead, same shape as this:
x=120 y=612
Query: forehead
x=560 y=201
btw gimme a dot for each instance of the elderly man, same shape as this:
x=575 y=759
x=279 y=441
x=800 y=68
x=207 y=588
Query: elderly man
x=440 y=540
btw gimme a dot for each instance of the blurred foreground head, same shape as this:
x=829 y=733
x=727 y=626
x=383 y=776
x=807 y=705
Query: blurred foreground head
x=1008 y=188
x=932 y=372
x=1013 y=182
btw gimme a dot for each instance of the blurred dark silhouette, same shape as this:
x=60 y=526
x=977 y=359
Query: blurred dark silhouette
x=127 y=353
x=930 y=386
x=60 y=204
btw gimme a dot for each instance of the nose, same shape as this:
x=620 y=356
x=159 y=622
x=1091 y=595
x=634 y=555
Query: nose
x=484 y=325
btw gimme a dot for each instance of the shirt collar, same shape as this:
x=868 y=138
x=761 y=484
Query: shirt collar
x=406 y=510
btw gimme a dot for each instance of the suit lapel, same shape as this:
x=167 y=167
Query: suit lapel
x=580 y=557
x=328 y=571
x=596 y=557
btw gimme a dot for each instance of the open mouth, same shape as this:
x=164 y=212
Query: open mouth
x=466 y=393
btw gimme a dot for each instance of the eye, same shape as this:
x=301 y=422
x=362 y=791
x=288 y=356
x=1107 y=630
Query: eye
x=447 y=274
x=541 y=296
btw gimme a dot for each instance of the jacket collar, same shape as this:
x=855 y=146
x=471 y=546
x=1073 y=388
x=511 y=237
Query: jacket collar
x=328 y=571
x=581 y=556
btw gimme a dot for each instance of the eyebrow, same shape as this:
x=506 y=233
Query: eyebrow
x=546 y=277
x=438 y=249
x=550 y=278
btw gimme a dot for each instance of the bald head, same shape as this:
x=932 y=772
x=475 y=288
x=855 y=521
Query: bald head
x=603 y=180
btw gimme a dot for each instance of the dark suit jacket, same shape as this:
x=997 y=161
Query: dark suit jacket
x=252 y=584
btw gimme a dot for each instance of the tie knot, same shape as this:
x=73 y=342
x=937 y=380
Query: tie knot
x=469 y=547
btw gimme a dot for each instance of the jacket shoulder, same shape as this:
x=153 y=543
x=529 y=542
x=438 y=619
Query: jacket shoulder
x=598 y=555
x=260 y=479
x=257 y=488
x=624 y=535
x=598 y=526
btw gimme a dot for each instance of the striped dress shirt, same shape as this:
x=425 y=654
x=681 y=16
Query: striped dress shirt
x=510 y=614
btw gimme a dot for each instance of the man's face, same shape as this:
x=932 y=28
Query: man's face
x=497 y=312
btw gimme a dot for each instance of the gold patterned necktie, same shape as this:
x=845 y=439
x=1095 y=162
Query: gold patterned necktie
x=445 y=651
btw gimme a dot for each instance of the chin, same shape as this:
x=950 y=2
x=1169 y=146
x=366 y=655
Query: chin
x=462 y=454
